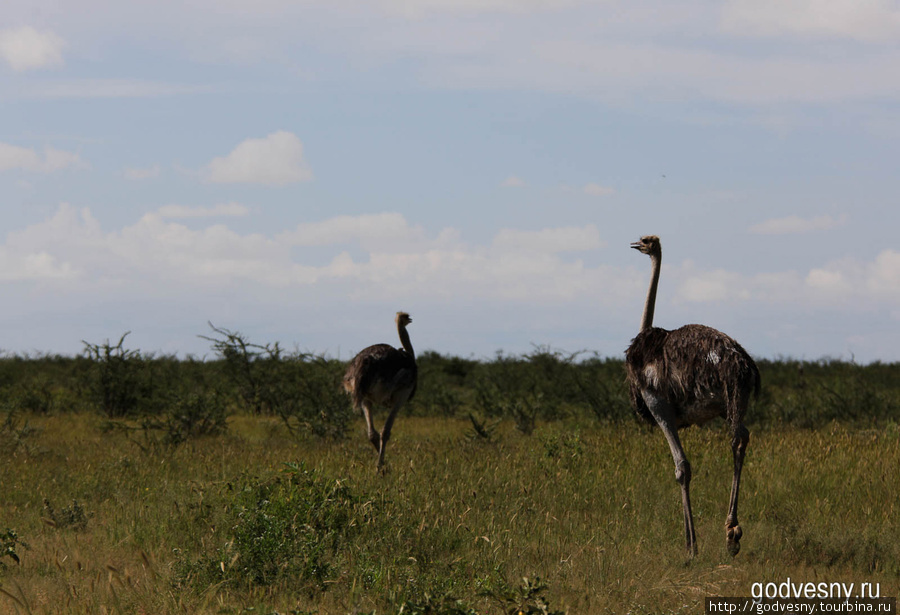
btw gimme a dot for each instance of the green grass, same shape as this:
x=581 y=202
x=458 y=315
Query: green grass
x=591 y=510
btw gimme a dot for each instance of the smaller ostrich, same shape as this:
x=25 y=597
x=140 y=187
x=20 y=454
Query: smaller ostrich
x=689 y=376
x=382 y=375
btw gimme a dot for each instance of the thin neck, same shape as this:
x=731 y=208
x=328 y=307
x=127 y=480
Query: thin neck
x=404 y=339
x=650 y=306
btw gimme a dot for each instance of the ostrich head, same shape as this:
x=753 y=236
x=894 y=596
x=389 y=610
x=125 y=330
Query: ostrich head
x=648 y=244
x=403 y=319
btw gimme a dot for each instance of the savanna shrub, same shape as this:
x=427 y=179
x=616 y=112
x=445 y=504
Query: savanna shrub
x=245 y=366
x=13 y=432
x=121 y=380
x=188 y=416
x=526 y=389
x=73 y=516
x=9 y=542
x=303 y=389
x=287 y=529
x=528 y=598
x=811 y=394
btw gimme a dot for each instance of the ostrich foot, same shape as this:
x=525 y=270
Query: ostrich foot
x=733 y=539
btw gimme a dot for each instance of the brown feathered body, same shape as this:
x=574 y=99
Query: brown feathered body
x=381 y=375
x=700 y=371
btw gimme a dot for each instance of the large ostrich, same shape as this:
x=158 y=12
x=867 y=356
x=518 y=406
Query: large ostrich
x=687 y=377
x=382 y=375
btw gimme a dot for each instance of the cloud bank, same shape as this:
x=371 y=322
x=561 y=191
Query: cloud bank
x=612 y=51
x=538 y=284
x=386 y=255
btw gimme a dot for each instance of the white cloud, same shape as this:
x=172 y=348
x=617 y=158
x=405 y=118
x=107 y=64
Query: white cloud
x=400 y=260
x=25 y=49
x=154 y=252
x=15 y=267
x=231 y=209
x=884 y=274
x=145 y=173
x=274 y=160
x=384 y=232
x=597 y=190
x=863 y=20
x=416 y=9
x=385 y=260
x=846 y=282
x=795 y=224
x=711 y=286
x=613 y=51
x=696 y=285
x=828 y=281
x=549 y=240
x=512 y=182
x=851 y=279
x=26 y=159
x=393 y=259
x=103 y=88
x=36 y=252
x=55 y=160
x=620 y=71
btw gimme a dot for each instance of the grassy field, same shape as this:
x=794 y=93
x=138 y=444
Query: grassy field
x=582 y=516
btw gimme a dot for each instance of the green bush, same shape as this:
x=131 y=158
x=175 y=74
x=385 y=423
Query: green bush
x=187 y=416
x=176 y=399
x=9 y=542
x=288 y=529
x=442 y=388
x=14 y=432
x=302 y=389
x=814 y=393
x=548 y=385
x=525 y=599
x=73 y=516
x=121 y=381
x=601 y=388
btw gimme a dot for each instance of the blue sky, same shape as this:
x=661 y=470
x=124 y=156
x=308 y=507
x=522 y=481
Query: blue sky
x=299 y=171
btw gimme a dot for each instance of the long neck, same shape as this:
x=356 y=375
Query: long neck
x=404 y=339
x=650 y=306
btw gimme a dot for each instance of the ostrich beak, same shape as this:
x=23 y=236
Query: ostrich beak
x=636 y=245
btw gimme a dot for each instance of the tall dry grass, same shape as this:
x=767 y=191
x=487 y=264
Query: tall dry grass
x=588 y=513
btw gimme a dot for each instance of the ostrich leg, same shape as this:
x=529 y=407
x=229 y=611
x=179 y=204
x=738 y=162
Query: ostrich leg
x=683 y=478
x=733 y=530
x=664 y=414
x=386 y=431
x=374 y=438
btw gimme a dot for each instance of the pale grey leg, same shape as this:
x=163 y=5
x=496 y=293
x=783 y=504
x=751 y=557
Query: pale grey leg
x=374 y=438
x=733 y=530
x=386 y=431
x=664 y=415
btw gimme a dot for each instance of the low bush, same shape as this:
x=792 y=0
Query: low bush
x=287 y=529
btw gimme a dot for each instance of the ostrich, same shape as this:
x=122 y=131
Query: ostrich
x=687 y=377
x=386 y=376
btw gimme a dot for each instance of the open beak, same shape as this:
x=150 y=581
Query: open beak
x=636 y=245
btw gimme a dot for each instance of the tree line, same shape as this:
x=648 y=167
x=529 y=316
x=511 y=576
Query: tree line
x=165 y=399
